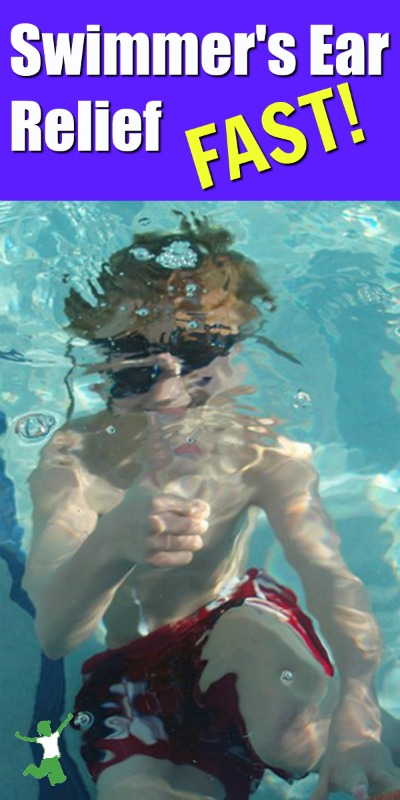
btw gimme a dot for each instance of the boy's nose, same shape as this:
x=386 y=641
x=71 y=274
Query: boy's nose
x=170 y=386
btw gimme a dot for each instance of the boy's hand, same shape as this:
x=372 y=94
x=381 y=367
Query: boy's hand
x=355 y=761
x=176 y=530
x=162 y=531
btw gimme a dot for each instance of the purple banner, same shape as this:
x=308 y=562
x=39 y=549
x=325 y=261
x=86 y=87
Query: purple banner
x=258 y=101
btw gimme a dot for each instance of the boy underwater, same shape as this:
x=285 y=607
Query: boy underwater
x=144 y=527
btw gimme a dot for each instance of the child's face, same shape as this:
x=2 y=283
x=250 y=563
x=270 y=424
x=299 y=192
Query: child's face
x=159 y=382
x=152 y=383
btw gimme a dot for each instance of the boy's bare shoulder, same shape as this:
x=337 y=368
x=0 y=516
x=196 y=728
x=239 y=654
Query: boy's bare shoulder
x=285 y=449
x=97 y=444
x=285 y=467
x=77 y=463
x=88 y=426
x=74 y=438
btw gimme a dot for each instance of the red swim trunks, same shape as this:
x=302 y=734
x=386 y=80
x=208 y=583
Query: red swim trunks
x=144 y=698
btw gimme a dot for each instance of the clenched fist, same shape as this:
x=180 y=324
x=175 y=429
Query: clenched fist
x=176 y=530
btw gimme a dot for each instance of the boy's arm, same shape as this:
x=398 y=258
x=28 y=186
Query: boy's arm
x=288 y=492
x=25 y=738
x=65 y=723
x=79 y=558
x=334 y=594
x=66 y=576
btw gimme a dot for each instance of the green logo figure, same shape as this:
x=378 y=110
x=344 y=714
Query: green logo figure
x=50 y=765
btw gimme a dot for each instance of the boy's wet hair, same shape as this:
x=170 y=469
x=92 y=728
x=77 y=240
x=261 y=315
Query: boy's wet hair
x=197 y=252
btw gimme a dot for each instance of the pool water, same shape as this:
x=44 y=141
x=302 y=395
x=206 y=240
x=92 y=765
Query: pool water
x=334 y=270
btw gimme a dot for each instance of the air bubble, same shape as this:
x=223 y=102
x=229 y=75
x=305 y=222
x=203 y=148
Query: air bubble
x=301 y=399
x=83 y=720
x=190 y=289
x=178 y=255
x=142 y=312
x=286 y=676
x=32 y=427
x=141 y=253
x=268 y=305
x=111 y=430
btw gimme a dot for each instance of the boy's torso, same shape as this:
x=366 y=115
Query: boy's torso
x=209 y=453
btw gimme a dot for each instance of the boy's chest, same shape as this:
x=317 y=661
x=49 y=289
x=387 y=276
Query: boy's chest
x=173 y=448
x=197 y=461
x=192 y=457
